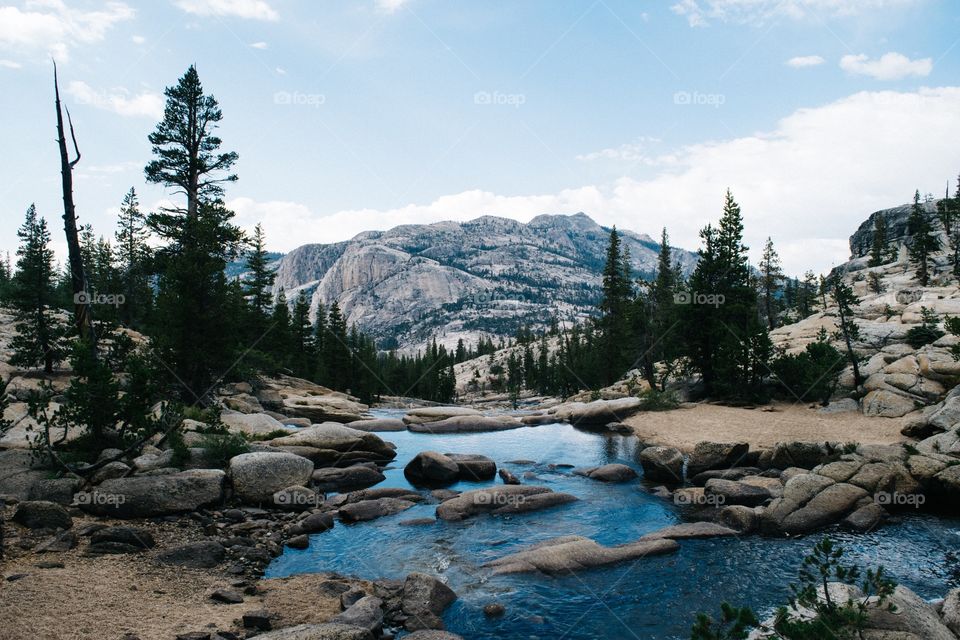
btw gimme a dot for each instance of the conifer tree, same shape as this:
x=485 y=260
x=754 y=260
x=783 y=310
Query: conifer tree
x=923 y=241
x=771 y=282
x=38 y=337
x=280 y=337
x=133 y=255
x=614 y=310
x=200 y=239
x=878 y=249
x=846 y=300
x=304 y=352
x=336 y=352
x=258 y=284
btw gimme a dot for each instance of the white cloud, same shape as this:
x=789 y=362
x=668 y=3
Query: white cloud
x=259 y=45
x=699 y=13
x=808 y=183
x=800 y=62
x=50 y=27
x=390 y=6
x=637 y=152
x=249 y=9
x=118 y=100
x=137 y=39
x=889 y=66
x=10 y=64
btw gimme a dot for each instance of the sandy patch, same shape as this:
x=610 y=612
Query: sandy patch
x=685 y=427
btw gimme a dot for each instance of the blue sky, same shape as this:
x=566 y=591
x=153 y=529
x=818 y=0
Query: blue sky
x=357 y=115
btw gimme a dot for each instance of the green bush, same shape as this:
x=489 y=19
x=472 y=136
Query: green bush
x=221 y=447
x=927 y=332
x=654 y=400
x=810 y=375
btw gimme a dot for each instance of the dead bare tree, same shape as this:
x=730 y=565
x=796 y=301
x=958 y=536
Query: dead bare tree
x=82 y=308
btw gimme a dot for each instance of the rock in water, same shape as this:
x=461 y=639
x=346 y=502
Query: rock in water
x=576 y=553
x=424 y=599
x=431 y=469
x=608 y=473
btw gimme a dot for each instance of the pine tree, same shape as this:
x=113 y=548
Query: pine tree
x=771 y=279
x=663 y=344
x=133 y=255
x=200 y=239
x=923 y=240
x=846 y=300
x=878 y=250
x=614 y=309
x=336 y=352
x=304 y=352
x=279 y=338
x=38 y=337
x=258 y=283
x=726 y=342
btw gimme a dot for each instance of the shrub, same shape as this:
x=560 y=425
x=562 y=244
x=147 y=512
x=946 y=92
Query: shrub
x=810 y=375
x=654 y=400
x=927 y=332
x=221 y=447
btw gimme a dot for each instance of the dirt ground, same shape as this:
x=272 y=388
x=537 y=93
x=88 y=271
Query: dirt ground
x=761 y=427
x=131 y=596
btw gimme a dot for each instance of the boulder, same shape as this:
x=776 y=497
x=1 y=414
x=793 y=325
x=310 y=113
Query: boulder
x=811 y=502
x=40 y=514
x=473 y=467
x=731 y=492
x=432 y=634
x=358 y=476
x=325 y=631
x=733 y=473
x=806 y=455
x=252 y=424
x=297 y=498
x=257 y=476
x=423 y=601
x=608 y=473
x=691 y=530
x=148 y=496
x=195 y=555
x=866 y=518
x=372 y=509
x=576 y=553
x=333 y=408
x=716 y=455
x=664 y=464
x=138 y=538
x=887 y=404
x=313 y=523
x=424 y=415
x=365 y=612
x=467 y=424
x=508 y=476
x=597 y=413
x=378 y=424
x=431 y=469
x=738 y=517
x=951 y=611
x=59 y=490
x=337 y=444
x=501 y=499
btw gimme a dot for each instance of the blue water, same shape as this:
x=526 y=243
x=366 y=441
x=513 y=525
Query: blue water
x=650 y=598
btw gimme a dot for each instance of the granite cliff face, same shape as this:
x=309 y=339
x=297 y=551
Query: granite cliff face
x=462 y=280
x=862 y=239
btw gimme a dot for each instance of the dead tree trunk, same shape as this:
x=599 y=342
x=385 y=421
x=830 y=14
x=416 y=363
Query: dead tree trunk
x=82 y=309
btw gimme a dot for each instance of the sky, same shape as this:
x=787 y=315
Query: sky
x=359 y=115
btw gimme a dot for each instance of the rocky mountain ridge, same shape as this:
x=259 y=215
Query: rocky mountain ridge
x=452 y=280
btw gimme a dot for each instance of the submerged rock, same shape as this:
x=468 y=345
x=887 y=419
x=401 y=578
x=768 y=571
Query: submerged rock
x=608 y=473
x=431 y=469
x=575 y=553
x=500 y=500
x=467 y=424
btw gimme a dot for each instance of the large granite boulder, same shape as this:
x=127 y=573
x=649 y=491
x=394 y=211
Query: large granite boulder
x=378 y=424
x=40 y=514
x=806 y=455
x=810 y=502
x=501 y=499
x=365 y=510
x=358 y=476
x=325 y=631
x=257 y=476
x=149 y=496
x=431 y=469
x=252 y=424
x=337 y=445
x=597 y=413
x=576 y=553
x=613 y=472
x=732 y=492
x=425 y=415
x=324 y=408
x=716 y=455
x=466 y=424
x=473 y=466
x=664 y=464
x=423 y=600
